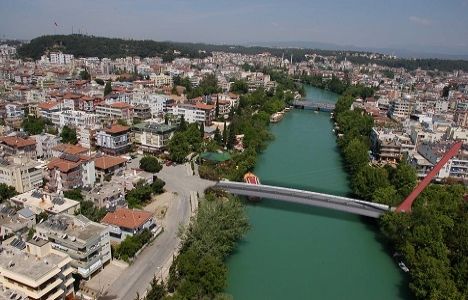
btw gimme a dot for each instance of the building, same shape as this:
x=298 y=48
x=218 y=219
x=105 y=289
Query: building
x=61 y=149
x=21 y=173
x=400 y=109
x=152 y=137
x=13 y=222
x=115 y=111
x=142 y=111
x=200 y=112
x=46 y=109
x=45 y=142
x=73 y=118
x=39 y=201
x=125 y=222
x=36 y=271
x=114 y=140
x=86 y=137
x=69 y=172
x=107 y=165
x=18 y=146
x=60 y=58
x=87 y=242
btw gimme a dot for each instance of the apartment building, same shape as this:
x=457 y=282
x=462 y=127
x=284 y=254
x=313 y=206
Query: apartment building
x=400 y=109
x=107 y=165
x=114 y=140
x=73 y=118
x=18 y=146
x=36 y=271
x=45 y=142
x=69 y=172
x=39 y=201
x=86 y=242
x=115 y=111
x=162 y=80
x=21 y=173
x=45 y=109
x=60 y=58
x=158 y=103
x=152 y=137
x=199 y=112
x=388 y=146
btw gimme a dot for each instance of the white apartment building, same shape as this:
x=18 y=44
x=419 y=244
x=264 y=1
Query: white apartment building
x=60 y=58
x=73 y=118
x=152 y=137
x=36 y=271
x=114 y=140
x=115 y=111
x=13 y=111
x=200 y=112
x=21 y=173
x=162 y=80
x=44 y=144
x=158 y=103
x=86 y=242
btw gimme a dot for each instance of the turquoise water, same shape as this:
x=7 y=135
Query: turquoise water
x=299 y=252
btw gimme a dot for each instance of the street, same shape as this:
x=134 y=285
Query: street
x=155 y=259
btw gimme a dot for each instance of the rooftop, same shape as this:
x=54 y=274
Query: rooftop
x=78 y=229
x=106 y=161
x=27 y=265
x=71 y=149
x=116 y=128
x=154 y=127
x=39 y=201
x=127 y=218
x=17 y=142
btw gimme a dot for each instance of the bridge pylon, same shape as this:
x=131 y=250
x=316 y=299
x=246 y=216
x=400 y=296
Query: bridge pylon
x=406 y=205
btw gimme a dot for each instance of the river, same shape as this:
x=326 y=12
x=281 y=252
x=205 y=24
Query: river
x=300 y=252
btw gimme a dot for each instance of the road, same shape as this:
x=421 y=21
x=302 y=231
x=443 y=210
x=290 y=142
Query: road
x=158 y=255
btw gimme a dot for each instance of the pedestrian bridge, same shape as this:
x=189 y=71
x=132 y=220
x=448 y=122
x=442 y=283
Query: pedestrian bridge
x=328 y=107
x=345 y=204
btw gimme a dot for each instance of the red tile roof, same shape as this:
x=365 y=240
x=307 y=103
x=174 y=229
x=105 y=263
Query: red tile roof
x=63 y=165
x=116 y=128
x=106 y=161
x=17 y=142
x=127 y=218
x=47 y=105
x=120 y=105
x=70 y=149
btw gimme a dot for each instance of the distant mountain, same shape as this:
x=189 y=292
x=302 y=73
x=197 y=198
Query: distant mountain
x=397 y=51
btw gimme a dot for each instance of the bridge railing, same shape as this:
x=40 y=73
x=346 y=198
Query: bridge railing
x=303 y=194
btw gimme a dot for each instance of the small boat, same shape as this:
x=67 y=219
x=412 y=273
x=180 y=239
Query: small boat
x=403 y=267
x=316 y=111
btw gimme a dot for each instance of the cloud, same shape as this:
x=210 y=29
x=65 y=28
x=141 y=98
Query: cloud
x=420 y=21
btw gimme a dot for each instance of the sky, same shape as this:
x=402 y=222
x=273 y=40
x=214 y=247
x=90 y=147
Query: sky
x=427 y=25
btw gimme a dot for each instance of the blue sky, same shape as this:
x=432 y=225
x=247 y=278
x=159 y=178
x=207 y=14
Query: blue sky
x=429 y=25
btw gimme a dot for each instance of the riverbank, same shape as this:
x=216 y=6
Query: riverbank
x=298 y=252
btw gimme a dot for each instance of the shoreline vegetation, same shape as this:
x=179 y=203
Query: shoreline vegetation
x=432 y=240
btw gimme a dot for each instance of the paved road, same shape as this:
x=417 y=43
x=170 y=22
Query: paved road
x=138 y=276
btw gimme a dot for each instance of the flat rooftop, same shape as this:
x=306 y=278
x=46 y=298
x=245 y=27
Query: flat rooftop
x=39 y=201
x=78 y=227
x=27 y=265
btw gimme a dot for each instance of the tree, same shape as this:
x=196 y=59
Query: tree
x=386 y=195
x=90 y=211
x=68 y=135
x=231 y=140
x=217 y=136
x=166 y=119
x=445 y=91
x=122 y=122
x=107 y=88
x=150 y=164
x=356 y=155
x=74 y=194
x=224 y=133
x=217 y=109
x=84 y=75
x=99 y=81
x=158 y=186
x=33 y=125
x=182 y=124
x=202 y=130
x=404 y=179
x=239 y=87
x=6 y=192
x=367 y=180
x=157 y=290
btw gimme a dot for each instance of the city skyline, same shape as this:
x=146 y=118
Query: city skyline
x=424 y=26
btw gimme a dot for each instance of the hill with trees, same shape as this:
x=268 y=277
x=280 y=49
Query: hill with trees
x=92 y=46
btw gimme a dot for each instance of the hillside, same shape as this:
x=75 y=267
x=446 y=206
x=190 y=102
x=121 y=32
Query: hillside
x=91 y=46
